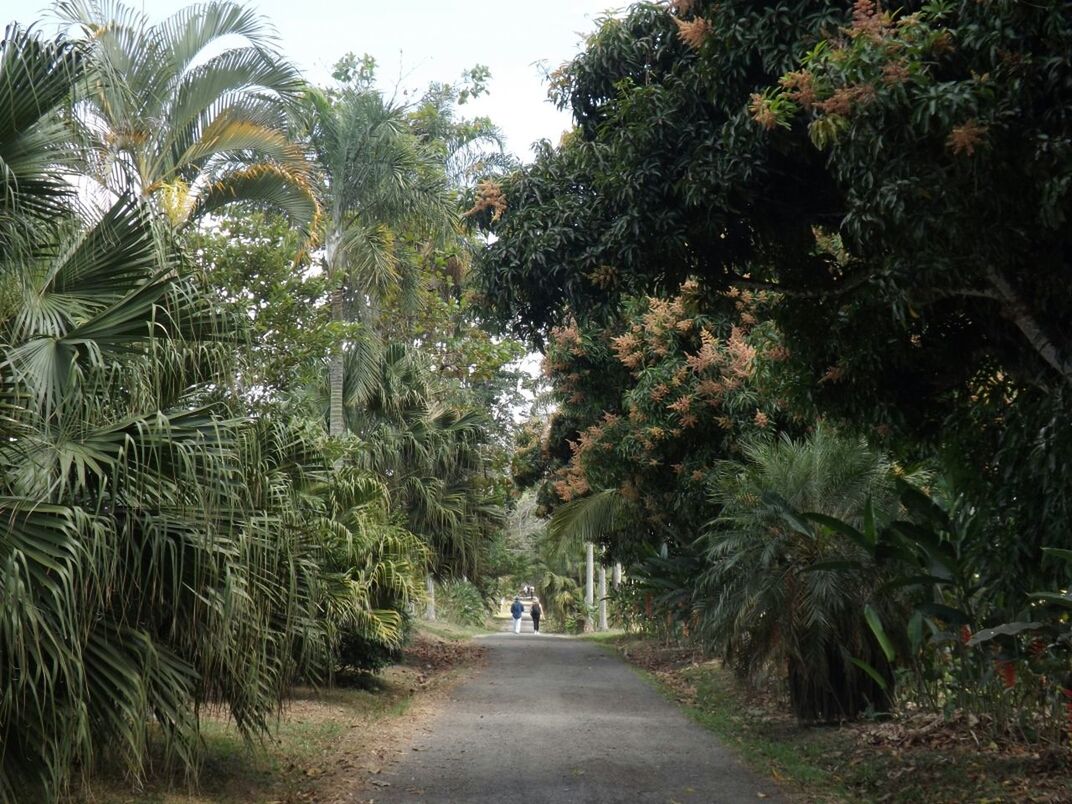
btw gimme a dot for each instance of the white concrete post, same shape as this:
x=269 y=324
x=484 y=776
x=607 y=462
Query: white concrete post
x=429 y=612
x=589 y=568
x=602 y=598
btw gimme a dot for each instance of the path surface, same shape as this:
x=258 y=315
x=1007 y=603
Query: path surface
x=557 y=719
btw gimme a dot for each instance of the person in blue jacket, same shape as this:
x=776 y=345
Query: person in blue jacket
x=516 y=611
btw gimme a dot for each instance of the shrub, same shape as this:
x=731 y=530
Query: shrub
x=461 y=603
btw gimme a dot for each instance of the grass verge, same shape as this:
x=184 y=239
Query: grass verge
x=923 y=759
x=325 y=741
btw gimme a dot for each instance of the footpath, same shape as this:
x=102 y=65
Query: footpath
x=558 y=719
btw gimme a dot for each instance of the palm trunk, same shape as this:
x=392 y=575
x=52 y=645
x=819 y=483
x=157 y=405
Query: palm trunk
x=617 y=581
x=336 y=422
x=337 y=367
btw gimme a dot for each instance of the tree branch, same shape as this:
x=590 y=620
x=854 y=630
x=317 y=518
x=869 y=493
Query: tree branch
x=1020 y=313
x=801 y=293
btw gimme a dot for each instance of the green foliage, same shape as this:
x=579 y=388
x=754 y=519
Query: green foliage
x=649 y=402
x=192 y=132
x=431 y=455
x=257 y=268
x=917 y=256
x=172 y=536
x=461 y=603
x=767 y=597
x=896 y=185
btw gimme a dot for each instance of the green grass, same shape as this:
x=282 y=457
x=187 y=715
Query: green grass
x=233 y=771
x=606 y=637
x=451 y=631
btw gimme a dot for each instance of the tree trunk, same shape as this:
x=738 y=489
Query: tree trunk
x=602 y=598
x=429 y=611
x=337 y=366
x=617 y=578
x=336 y=421
x=589 y=574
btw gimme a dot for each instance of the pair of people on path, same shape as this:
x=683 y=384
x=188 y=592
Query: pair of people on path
x=518 y=609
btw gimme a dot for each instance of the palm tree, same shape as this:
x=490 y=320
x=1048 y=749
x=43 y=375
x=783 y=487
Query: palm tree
x=470 y=149
x=377 y=179
x=189 y=119
x=155 y=551
x=430 y=453
x=766 y=598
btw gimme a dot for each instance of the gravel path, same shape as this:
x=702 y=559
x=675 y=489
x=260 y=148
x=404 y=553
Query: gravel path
x=557 y=719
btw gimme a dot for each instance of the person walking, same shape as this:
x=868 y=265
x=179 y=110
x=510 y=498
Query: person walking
x=536 y=613
x=516 y=611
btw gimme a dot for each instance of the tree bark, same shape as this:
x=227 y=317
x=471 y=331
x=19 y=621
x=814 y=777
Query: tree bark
x=337 y=366
x=602 y=597
x=429 y=611
x=617 y=578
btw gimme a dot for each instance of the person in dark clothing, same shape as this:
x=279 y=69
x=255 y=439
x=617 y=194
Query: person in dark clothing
x=516 y=611
x=536 y=613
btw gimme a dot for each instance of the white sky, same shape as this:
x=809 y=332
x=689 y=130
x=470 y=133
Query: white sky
x=423 y=41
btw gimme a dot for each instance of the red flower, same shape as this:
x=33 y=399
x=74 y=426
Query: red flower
x=965 y=634
x=1006 y=668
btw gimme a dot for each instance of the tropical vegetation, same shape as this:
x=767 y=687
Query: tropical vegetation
x=798 y=276
x=193 y=241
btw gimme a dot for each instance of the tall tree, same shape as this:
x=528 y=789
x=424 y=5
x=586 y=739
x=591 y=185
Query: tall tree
x=376 y=179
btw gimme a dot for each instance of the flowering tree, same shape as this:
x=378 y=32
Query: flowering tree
x=649 y=403
x=901 y=182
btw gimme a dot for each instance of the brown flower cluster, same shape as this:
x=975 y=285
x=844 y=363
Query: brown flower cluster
x=844 y=99
x=762 y=111
x=682 y=405
x=895 y=72
x=965 y=138
x=799 y=87
x=868 y=19
x=777 y=353
x=489 y=195
x=693 y=32
x=833 y=374
x=742 y=354
x=708 y=355
x=627 y=348
x=568 y=338
x=605 y=276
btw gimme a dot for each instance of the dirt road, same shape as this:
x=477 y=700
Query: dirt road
x=555 y=719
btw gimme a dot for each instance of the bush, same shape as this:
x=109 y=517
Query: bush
x=361 y=654
x=461 y=603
